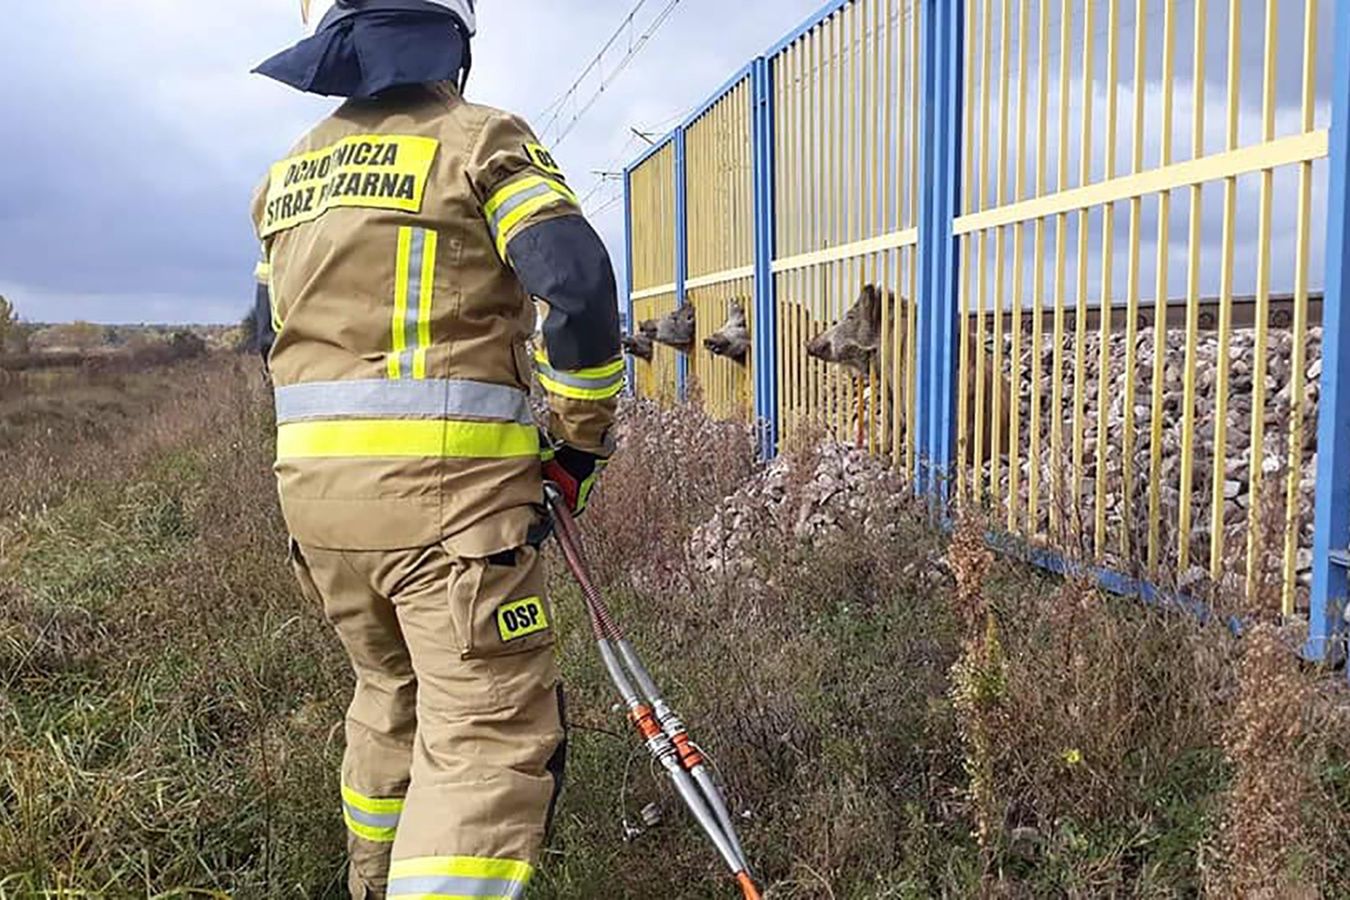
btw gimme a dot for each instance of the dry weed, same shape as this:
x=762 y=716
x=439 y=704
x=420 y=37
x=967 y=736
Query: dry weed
x=1263 y=838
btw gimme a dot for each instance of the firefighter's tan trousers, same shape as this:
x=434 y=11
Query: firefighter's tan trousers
x=455 y=738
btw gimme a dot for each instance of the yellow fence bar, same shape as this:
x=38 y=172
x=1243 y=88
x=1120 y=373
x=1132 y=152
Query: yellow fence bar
x=1019 y=298
x=1080 y=298
x=837 y=398
x=963 y=400
x=997 y=420
x=1187 y=499
x=1224 y=363
x=1160 y=297
x=1132 y=290
x=738 y=274
x=1033 y=521
x=657 y=291
x=804 y=202
x=987 y=26
x=1299 y=365
x=1310 y=145
x=813 y=284
x=1061 y=497
x=911 y=312
x=787 y=139
x=847 y=251
x=1256 y=549
x=878 y=407
x=1100 y=474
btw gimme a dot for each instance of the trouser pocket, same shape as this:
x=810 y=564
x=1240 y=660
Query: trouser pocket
x=503 y=603
x=303 y=576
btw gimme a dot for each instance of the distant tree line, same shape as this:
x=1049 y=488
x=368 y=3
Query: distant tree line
x=14 y=334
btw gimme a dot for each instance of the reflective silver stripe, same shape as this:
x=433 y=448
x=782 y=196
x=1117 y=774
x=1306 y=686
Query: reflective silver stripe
x=416 y=250
x=456 y=886
x=520 y=200
x=428 y=399
x=374 y=820
x=576 y=381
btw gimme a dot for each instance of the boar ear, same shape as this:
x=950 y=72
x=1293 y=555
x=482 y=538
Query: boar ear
x=873 y=296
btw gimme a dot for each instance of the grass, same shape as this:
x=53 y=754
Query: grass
x=895 y=715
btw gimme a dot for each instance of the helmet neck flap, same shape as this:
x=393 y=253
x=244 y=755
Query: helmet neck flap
x=362 y=48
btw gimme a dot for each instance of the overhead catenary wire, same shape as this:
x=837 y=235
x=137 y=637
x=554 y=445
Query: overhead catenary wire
x=595 y=61
x=556 y=127
x=604 y=179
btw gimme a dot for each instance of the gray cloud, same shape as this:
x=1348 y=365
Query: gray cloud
x=135 y=134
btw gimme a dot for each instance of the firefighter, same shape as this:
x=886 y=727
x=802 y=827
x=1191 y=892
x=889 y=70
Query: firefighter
x=404 y=242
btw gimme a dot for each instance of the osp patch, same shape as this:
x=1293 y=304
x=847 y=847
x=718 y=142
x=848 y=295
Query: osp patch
x=521 y=618
x=543 y=159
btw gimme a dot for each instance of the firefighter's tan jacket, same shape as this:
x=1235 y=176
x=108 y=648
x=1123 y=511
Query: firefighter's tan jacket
x=400 y=361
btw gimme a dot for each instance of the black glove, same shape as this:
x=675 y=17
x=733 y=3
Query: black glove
x=574 y=472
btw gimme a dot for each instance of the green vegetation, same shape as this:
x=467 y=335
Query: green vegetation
x=9 y=323
x=895 y=714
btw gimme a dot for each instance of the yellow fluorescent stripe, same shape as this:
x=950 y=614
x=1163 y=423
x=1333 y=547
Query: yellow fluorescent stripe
x=424 y=305
x=377 y=806
x=462 y=867
x=262 y=272
x=403 y=439
x=499 y=199
x=398 y=337
x=576 y=393
x=523 y=212
x=370 y=832
x=608 y=370
x=1271 y=155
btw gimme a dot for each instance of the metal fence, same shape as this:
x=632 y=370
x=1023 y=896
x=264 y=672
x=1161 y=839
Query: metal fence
x=846 y=116
x=718 y=154
x=652 y=265
x=1114 y=327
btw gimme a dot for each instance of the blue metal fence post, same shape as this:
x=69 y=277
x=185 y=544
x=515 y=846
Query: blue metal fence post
x=630 y=373
x=681 y=255
x=1331 y=540
x=765 y=332
x=937 y=309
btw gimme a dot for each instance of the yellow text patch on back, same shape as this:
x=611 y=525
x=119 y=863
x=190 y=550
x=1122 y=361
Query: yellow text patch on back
x=521 y=618
x=370 y=171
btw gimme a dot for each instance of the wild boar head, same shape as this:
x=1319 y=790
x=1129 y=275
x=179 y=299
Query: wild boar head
x=733 y=340
x=638 y=345
x=676 y=329
x=855 y=341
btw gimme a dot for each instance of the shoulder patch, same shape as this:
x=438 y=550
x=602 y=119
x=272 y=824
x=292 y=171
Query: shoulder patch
x=543 y=159
x=521 y=618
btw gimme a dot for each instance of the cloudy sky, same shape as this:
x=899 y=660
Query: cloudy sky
x=134 y=133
